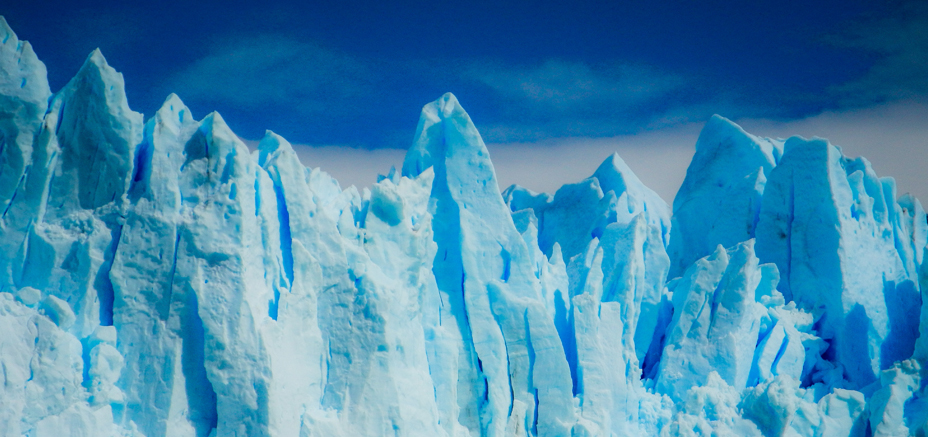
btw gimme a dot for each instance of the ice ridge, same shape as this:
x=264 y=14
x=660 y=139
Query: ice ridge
x=160 y=278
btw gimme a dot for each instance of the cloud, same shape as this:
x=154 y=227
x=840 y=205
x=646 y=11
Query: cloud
x=553 y=122
x=577 y=87
x=899 y=41
x=559 y=98
x=257 y=71
x=317 y=94
x=336 y=98
x=659 y=159
x=893 y=137
x=302 y=89
x=567 y=99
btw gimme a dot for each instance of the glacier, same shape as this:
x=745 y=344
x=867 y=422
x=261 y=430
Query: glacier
x=160 y=278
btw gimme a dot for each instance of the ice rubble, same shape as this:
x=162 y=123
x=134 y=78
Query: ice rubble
x=158 y=278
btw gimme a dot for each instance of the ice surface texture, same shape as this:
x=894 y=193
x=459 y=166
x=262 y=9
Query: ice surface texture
x=159 y=278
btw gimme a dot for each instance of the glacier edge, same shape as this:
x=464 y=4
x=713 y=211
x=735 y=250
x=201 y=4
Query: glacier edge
x=158 y=277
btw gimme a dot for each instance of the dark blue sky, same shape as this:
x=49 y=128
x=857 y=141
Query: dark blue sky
x=357 y=73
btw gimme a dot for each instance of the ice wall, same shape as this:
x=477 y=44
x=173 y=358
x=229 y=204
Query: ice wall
x=159 y=278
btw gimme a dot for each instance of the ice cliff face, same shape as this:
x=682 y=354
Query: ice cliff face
x=159 y=278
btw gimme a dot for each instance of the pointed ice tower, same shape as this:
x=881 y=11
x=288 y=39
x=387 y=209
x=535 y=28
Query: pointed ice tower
x=492 y=305
x=220 y=259
x=60 y=227
x=716 y=322
x=720 y=199
x=159 y=326
x=98 y=133
x=629 y=221
x=832 y=227
x=24 y=95
x=88 y=145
